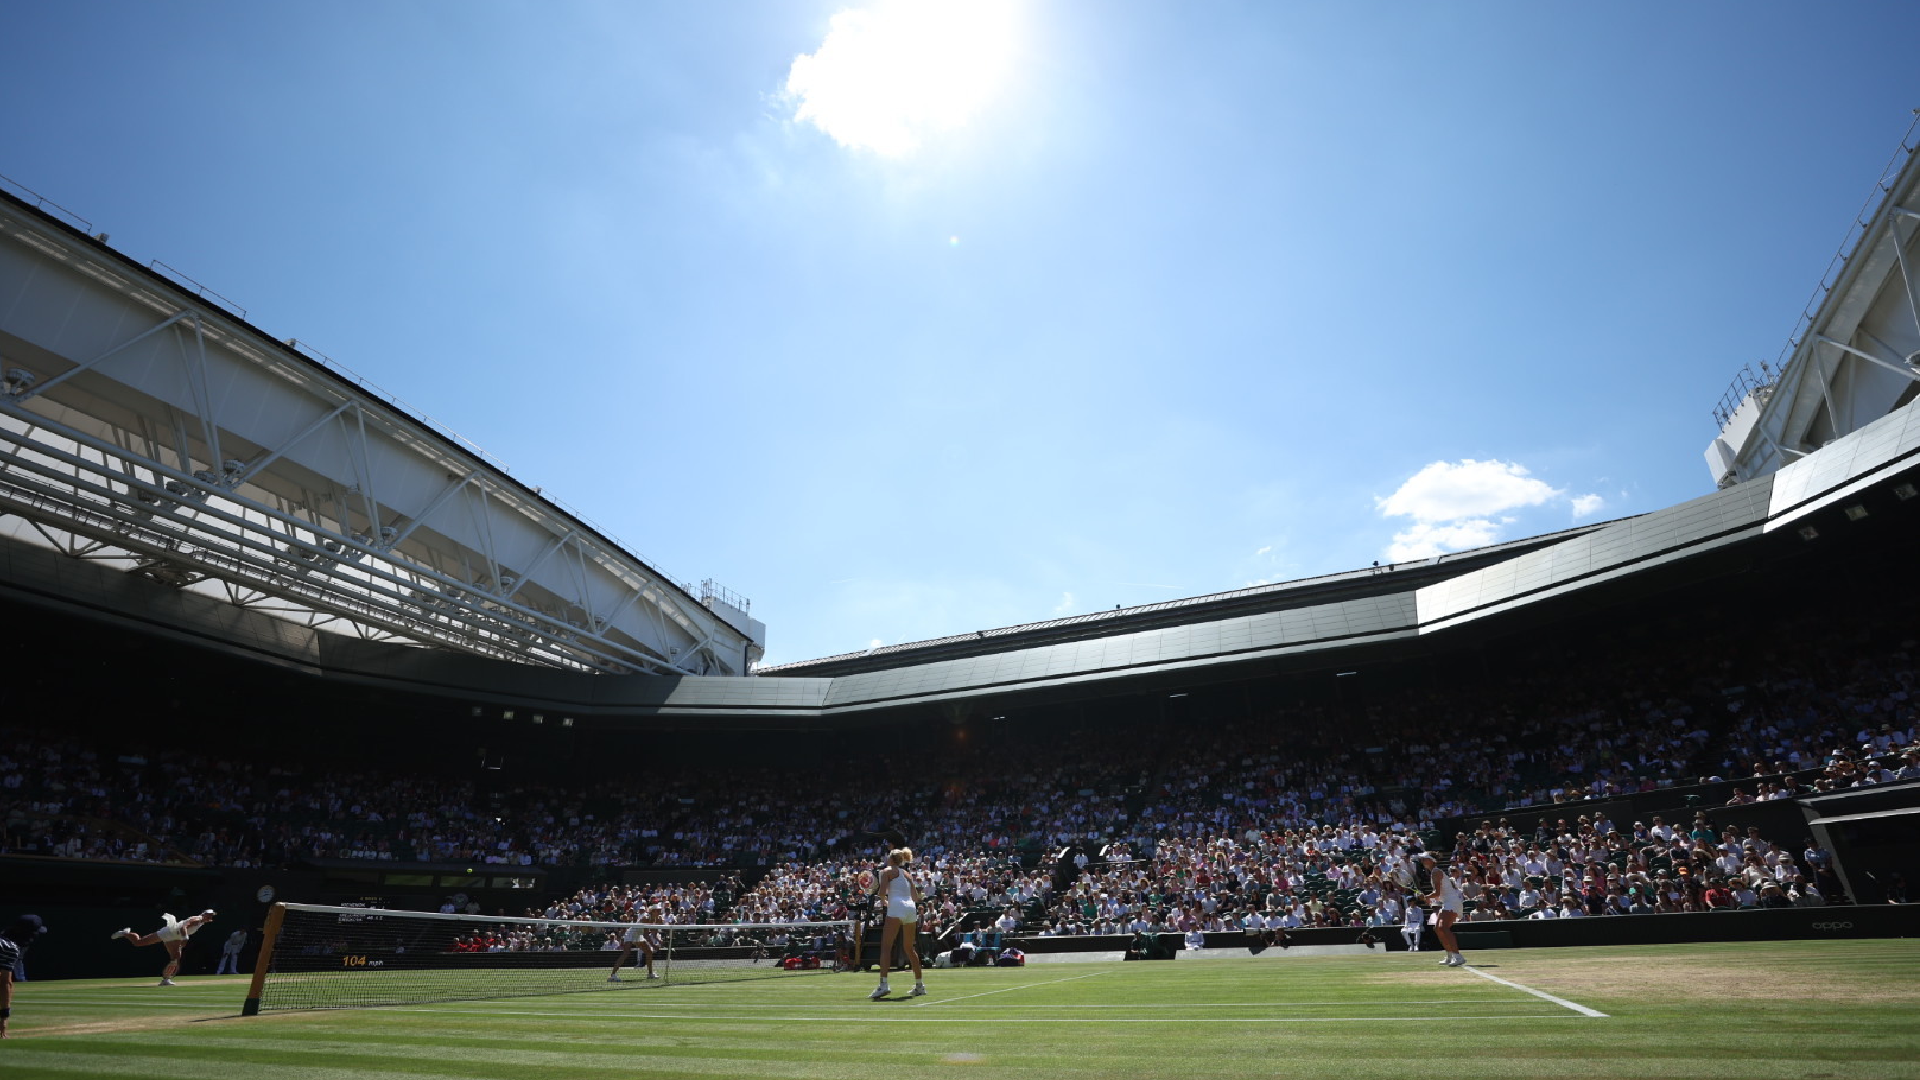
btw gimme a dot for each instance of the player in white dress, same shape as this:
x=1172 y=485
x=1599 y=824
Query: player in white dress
x=173 y=935
x=643 y=935
x=903 y=919
x=1447 y=896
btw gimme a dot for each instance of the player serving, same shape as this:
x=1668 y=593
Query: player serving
x=903 y=918
x=643 y=935
x=173 y=935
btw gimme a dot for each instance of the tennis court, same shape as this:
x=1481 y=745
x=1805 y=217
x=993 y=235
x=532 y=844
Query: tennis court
x=1792 y=1009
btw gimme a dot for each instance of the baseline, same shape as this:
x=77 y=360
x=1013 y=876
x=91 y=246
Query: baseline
x=762 y=1018
x=1009 y=989
x=1560 y=1001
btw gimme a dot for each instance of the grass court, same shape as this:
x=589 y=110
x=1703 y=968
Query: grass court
x=1804 y=1010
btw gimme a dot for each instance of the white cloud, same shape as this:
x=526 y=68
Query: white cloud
x=888 y=77
x=1424 y=540
x=1450 y=491
x=1456 y=505
x=1066 y=604
x=1264 y=550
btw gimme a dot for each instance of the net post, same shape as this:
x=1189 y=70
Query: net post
x=275 y=916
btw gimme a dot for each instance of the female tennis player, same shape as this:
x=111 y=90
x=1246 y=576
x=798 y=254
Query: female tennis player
x=173 y=935
x=903 y=918
x=1446 y=896
x=644 y=935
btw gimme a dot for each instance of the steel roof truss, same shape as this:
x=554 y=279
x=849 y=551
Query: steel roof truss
x=496 y=617
x=260 y=464
x=439 y=500
x=532 y=568
x=1909 y=285
x=196 y=364
x=1903 y=367
x=49 y=383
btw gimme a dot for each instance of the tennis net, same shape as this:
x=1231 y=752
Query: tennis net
x=320 y=957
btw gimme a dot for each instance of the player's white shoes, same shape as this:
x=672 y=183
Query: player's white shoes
x=167 y=980
x=208 y=913
x=879 y=992
x=653 y=974
x=1454 y=960
x=917 y=991
x=615 y=978
x=125 y=931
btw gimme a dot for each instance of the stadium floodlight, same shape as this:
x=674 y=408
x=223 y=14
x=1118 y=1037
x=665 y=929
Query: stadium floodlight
x=539 y=718
x=1903 y=492
x=17 y=381
x=506 y=714
x=566 y=721
x=1808 y=532
x=1857 y=512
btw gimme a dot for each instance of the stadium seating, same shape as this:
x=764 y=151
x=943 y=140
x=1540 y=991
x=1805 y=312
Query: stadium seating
x=1302 y=816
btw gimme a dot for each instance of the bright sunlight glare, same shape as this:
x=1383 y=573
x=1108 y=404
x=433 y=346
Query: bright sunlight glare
x=890 y=76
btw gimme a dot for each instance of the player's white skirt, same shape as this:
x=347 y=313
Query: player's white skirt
x=903 y=910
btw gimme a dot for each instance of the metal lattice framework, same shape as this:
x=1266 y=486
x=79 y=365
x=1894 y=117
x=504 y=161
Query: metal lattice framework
x=1855 y=356
x=144 y=426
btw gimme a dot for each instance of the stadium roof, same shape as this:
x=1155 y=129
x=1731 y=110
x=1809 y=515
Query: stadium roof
x=1369 y=581
x=1860 y=486
x=145 y=422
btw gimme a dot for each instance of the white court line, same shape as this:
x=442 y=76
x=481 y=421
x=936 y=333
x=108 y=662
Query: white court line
x=1031 y=1020
x=1007 y=989
x=862 y=1006
x=1563 y=1002
x=763 y=1017
x=99 y=1003
x=1483 y=999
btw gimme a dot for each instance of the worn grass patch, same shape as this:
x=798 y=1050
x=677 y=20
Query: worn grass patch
x=1839 y=973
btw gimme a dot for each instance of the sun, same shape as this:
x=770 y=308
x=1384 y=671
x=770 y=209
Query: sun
x=890 y=77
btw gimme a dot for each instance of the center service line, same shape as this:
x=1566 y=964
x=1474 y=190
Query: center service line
x=1563 y=1002
x=1005 y=989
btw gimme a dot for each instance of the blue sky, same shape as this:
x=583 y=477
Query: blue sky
x=1104 y=303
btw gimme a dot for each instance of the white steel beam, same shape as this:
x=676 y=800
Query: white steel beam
x=331 y=496
x=47 y=384
x=1902 y=368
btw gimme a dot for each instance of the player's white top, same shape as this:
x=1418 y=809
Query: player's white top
x=900 y=898
x=175 y=930
x=1449 y=890
x=900 y=888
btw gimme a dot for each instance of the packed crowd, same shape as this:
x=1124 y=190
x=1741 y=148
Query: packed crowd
x=1301 y=817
